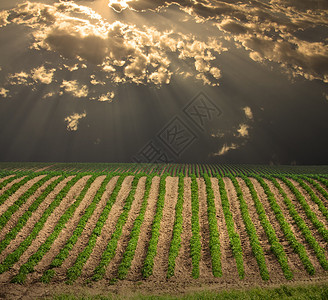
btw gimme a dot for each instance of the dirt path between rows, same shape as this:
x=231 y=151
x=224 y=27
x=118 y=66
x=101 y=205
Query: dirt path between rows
x=48 y=227
x=67 y=232
x=10 y=184
x=324 y=200
x=19 y=193
x=300 y=271
x=36 y=215
x=145 y=230
x=91 y=224
x=112 y=268
x=250 y=263
x=302 y=214
x=228 y=262
x=166 y=229
x=2 y=179
x=314 y=207
x=15 y=217
x=43 y=169
x=293 y=258
x=275 y=271
x=205 y=264
x=183 y=263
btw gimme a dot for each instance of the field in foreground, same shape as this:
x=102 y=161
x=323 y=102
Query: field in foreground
x=160 y=233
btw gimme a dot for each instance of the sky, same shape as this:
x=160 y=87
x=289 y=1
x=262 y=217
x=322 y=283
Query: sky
x=190 y=81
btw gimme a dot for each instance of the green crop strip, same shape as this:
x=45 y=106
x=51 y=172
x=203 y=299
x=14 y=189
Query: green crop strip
x=233 y=235
x=284 y=225
x=12 y=190
x=317 y=186
x=313 y=196
x=110 y=250
x=309 y=213
x=214 y=242
x=135 y=232
x=177 y=229
x=25 y=217
x=5 y=217
x=298 y=248
x=195 y=244
x=64 y=252
x=323 y=180
x=75 y=271
x=276 y=247
x=147 y=269
x=251 y=231
x=8 y=180
x=33 y=260
x=15 y=255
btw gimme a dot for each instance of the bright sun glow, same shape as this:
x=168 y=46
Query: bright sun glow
x=118 y=5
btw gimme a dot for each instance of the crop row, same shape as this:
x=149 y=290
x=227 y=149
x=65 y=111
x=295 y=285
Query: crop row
x=147 y=269
x=25 y=217
x=275 y=245
x=110 y=250
x=233 y=235
x=195 y=244
x=177 y=229
x=306 y=207
x=14 y=256
x=33 y=260
x=12 y=190
x=251 y=231
x=75 y=270
x=285 y=226
x=214 y=240
x=317 y=186
x=312 y=195
x=48 y=183
x=299 y=248
x=134 y=235
x=4 y=218
x=71 y=241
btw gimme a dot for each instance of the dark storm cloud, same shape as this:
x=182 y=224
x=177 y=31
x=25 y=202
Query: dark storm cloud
x=266 y=29
x=120 y=52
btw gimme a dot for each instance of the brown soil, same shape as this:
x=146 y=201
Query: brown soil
x=126 y=289
x=300 y=272
x=89 y=227
x=250 y=263
x=302 y=214
x=26 y=230
x=275 y=271
x=43 y=169
x=293 y=259
x=6 y=177
x=324 y=200
x=125 y=237
x=15 y=217
x=109 y=226
x=314 y=207
x=157 y=284
x=229 y=268
x=10 y=184
x=166 y=229
x=183 y=263
x=47 y=229
x=59 y=243
x=145 y=230
x=205 y=264
x=19 y=193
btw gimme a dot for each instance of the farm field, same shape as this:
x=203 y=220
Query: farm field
x=176 y=229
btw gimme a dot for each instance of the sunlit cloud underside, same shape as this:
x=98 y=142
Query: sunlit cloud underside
x=90 y=56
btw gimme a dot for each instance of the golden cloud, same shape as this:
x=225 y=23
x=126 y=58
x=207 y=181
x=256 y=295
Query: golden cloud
x=73 y=121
